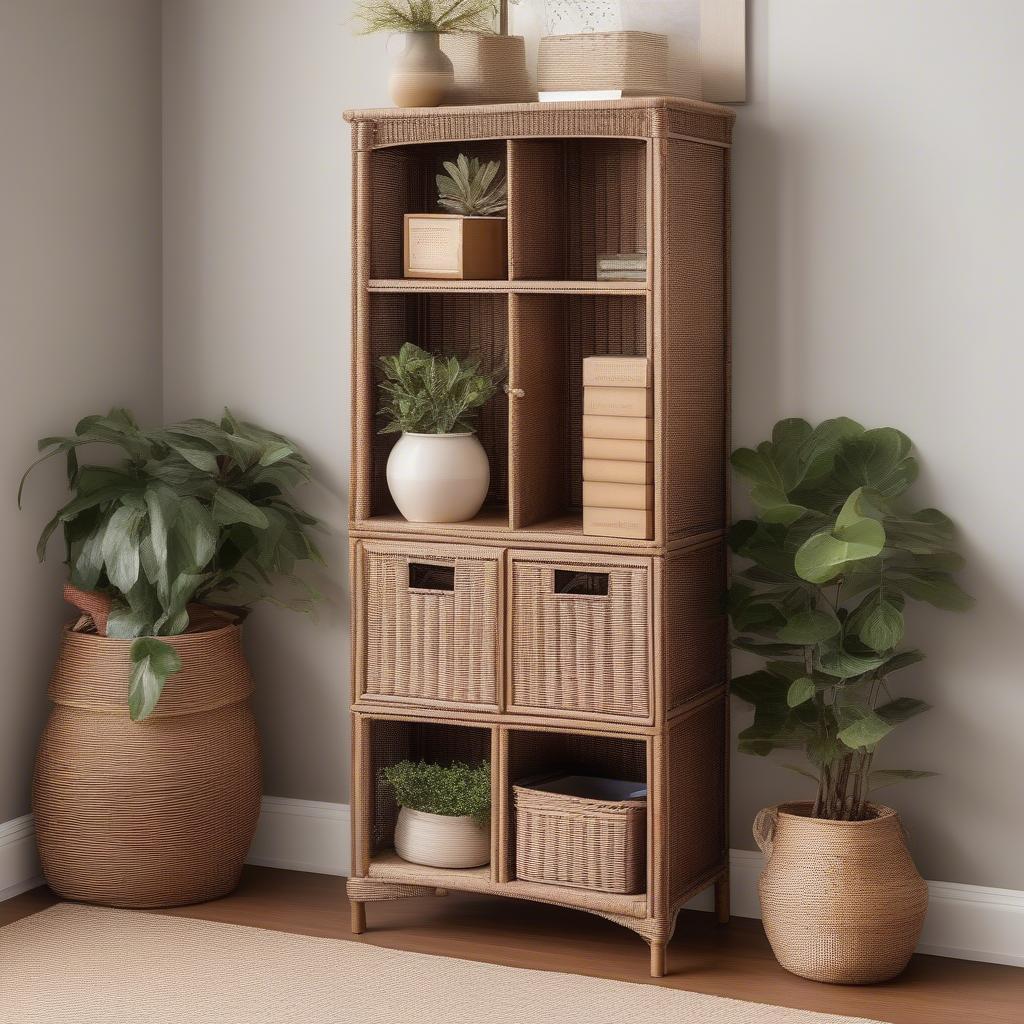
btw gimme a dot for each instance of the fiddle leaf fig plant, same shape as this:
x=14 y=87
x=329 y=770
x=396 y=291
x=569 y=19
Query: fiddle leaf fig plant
x=832 y=556
x=197 y=513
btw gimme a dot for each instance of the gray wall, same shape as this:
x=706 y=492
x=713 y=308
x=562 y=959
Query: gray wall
x=79 y=293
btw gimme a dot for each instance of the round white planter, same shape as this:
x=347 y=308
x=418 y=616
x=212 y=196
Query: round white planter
x=438 y=478
x=440 y=841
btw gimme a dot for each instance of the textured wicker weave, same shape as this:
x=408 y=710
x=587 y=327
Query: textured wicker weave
x=147 y=814
x=579 y=653
x=635 y=62
x=593 y=844
x=429 y=645
x=627 y=684
x=841 y=901
x=488 y=68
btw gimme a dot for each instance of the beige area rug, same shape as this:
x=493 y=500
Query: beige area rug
x=87 y=965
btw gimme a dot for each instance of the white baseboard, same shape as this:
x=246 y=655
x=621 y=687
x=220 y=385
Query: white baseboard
x=969 y=922
x=19 y=863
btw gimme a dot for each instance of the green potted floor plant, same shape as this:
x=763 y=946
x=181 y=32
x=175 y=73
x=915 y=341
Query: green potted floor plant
x=438 y=471
x=831 y=557
x=445 y=816
x=147 y=782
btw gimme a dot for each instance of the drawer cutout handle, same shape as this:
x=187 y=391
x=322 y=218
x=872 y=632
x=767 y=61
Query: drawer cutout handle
x=431 y=577
x=590 y=584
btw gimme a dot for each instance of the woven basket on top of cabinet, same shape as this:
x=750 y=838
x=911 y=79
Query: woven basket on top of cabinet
x=581 y=842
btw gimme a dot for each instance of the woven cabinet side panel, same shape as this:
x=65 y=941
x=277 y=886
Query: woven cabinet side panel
x=695 y=622
x=394 y=741
x=576 y=652
x=692 y=277
x=695 y=800
x=431 y=645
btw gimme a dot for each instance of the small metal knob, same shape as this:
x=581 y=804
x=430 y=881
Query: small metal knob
x=515 y=392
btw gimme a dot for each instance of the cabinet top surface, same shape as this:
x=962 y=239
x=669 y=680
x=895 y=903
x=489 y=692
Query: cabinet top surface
x=640 y=117
x=632 y=103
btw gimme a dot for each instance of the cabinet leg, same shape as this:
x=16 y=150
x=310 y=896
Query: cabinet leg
x=657 y=959
x=358 y=917
x=722 y=899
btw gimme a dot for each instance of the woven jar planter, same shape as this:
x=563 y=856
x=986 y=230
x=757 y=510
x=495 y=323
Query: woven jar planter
x=841 y=901
x=156 y=813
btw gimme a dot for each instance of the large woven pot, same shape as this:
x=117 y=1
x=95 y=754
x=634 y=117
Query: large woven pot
x=156 y=813
x=841 y=901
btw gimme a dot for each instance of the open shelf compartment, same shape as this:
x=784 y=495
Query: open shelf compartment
x=462 y=324
x=574 y=200
x=384 y=742
x=532 y=754
x=550 y=336
x=404 y=179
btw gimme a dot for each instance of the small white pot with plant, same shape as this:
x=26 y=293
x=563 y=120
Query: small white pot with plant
x=445 y=816
x=422 y=75
x=438 y=471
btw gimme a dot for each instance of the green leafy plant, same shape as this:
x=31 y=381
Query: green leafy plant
x=453 y=790
x=428 y=394
x=834 y=555
x=470 y=189
x=426 y=16
x=193 y=512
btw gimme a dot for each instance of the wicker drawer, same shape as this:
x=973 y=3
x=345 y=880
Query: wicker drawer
x=429 y=624
x=580 y=635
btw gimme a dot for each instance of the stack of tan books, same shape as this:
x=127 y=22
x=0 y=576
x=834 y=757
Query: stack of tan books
x=618 y=447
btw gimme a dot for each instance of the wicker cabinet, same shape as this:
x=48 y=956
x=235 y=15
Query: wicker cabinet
x=515 y=636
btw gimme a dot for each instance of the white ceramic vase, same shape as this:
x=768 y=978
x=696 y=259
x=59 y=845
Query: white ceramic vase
x=440 y=841
x=438 y=478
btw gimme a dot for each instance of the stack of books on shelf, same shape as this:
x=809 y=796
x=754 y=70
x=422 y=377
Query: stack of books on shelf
x=618 y=447
x=622 y=266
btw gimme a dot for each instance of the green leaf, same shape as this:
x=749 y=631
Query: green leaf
x=903 y=660
x=800 y=690
x=758 y=467
x=879 y=459
x=809 y=627
x=882 y=628
x=153 y=662
x=121 y=547
x=834 y=660
x=866 y=730
x=901 y=709
x=823 y=556
x=197 y=532
x=891 y=776
x=935 y=588
x=761 y=688
x=125 y=623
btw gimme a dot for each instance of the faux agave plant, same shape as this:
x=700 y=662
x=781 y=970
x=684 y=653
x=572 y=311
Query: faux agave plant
x=432 y=394
x=833 y=556
x=426 y=16
x=471 y=188
x=195 y=514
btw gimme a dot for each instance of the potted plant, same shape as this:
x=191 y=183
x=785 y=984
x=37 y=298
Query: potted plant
x=147 y=783
x=445 y=816
x=469 y=242
x=423 y=75
x=833 y=555
x=438 y=471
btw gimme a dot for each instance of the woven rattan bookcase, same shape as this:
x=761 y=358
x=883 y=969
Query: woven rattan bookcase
x=502 y=665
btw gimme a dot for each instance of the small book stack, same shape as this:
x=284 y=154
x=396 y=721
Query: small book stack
x=618 y=447
x=622 y=266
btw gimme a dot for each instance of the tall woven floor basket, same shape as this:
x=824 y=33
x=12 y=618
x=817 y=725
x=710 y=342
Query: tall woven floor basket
x=156 y=813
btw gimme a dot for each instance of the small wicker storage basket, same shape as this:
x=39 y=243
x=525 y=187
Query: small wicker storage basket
x=581 y=841
x=635 y=62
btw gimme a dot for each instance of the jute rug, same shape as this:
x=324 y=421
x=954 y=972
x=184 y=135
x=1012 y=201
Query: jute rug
x=92 y=966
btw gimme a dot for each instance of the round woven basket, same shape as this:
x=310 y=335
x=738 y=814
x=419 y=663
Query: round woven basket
x=156 y=813
x=841 y=901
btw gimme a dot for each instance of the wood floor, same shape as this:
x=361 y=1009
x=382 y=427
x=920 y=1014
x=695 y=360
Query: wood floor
x=731 y=960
